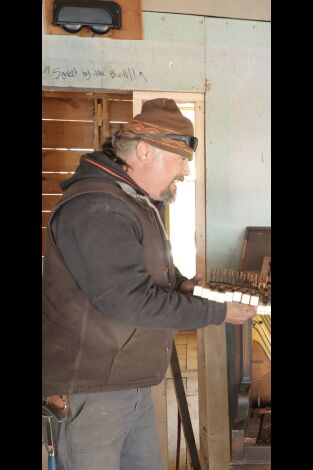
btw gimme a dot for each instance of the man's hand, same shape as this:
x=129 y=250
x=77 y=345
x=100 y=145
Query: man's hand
x=188 y=285
x=238 y=313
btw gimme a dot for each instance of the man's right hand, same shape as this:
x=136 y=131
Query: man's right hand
x=238 y=313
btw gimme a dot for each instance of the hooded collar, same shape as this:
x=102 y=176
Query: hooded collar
x=103 y=165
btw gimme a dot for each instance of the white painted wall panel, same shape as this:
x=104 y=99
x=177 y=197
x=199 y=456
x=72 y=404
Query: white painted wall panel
x=243 y=9
x=171 y=57
x=183 y=29
x=237 y=135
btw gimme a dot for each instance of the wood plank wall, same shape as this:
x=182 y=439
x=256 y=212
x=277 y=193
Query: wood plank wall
x=74 y=123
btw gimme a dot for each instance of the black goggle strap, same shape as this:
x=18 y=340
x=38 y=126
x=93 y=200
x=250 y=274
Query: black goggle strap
x=189 y=140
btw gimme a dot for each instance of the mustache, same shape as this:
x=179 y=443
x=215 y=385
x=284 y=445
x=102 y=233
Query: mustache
x=179 y=178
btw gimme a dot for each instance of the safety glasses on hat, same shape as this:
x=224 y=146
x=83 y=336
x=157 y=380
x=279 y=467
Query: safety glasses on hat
x=189 y=140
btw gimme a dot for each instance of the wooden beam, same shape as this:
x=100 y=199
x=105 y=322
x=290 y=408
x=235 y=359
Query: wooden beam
x=212 y=358
x=215 y=360
x=105 y=131
x=123 y=95
x=201 y=269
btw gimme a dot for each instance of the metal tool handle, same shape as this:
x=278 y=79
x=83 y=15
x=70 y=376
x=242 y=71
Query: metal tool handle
x=52 y=462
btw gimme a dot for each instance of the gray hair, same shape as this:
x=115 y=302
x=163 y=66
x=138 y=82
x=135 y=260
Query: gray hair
x=125 y=148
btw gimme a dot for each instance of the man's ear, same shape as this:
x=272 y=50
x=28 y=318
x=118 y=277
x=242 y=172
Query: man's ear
x=143 y=152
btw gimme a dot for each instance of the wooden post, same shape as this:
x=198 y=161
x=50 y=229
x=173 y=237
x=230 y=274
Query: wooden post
x=215 y=359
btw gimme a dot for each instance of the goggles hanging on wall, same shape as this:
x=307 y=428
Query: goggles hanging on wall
x=98 y=15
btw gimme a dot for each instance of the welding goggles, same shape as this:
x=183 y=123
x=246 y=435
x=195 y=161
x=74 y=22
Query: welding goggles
x=190 y=140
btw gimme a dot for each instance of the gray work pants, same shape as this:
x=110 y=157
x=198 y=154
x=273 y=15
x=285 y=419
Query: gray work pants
x=110 y=431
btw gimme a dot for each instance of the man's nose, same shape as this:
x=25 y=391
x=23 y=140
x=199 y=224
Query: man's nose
x=186 y=169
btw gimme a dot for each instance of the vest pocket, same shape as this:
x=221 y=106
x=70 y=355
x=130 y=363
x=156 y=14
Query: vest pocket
x=128 y=340
x=142 y=359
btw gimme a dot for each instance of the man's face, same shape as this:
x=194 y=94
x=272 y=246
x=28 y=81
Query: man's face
x=168 y=170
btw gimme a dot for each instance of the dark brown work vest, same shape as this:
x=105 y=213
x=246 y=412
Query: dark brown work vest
x=83 y=350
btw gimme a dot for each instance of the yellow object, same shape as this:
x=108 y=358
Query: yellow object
x=261 y=332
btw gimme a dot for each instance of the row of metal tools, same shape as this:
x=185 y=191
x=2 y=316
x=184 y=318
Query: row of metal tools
x=234 y=286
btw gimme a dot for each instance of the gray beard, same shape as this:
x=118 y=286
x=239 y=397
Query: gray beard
x=167 y=197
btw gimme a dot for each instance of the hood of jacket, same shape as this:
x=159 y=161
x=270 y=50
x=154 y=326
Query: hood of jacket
x=89 y=167
x=104 y=165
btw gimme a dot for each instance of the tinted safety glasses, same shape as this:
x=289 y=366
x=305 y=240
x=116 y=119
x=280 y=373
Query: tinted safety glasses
x=189 y=140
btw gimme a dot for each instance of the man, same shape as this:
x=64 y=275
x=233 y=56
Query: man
x=112 y=298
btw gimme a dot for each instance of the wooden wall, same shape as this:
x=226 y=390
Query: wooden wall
x=73 y=124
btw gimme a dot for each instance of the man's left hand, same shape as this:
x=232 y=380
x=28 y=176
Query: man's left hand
x=188 y=285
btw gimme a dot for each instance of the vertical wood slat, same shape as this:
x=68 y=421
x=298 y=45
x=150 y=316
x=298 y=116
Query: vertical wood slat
x=212 y=358
x=106 y=132
x=200 y=190
x=113 y=112
x=215 y=358
x=200 y=226
x=96 y=133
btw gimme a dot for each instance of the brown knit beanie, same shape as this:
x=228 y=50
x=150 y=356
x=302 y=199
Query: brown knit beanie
x=162 y=115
